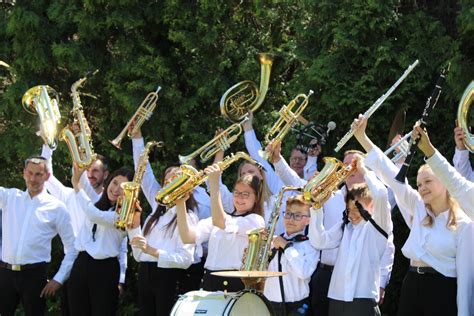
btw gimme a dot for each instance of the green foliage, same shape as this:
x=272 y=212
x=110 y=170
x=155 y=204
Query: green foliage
x=349 y=52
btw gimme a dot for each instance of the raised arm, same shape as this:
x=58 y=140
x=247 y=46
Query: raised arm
x=321 y=238
x=186 y=232
x=283 y=170
x=217 y=210
x=461 y=155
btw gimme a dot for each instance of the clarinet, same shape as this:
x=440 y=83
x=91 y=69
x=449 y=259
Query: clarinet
x=430 y=105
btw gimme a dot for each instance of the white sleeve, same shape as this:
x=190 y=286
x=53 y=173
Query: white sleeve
x=149 y=184
x=203 y=202
x=381 y=214
x=65 y=231
x=57 y=189
x=288 y=175
x=136 y=252
x=311 y=167
x=203 y=230
x=47 y=153
x=253 y=146
x=321 y=238
x=465 y=270
x=462 y=164
x=227 y=197
x=123 y=260
x=93 y=213
x=386 y=262
x=459 y=187
x=242 y=224
x=88 y=189
x=302 y=262
x=406 y=197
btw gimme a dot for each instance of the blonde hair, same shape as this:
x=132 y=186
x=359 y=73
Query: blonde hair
x=297 y=200
x=454 y=207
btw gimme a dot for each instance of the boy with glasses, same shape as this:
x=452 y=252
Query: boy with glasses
x=294 y=255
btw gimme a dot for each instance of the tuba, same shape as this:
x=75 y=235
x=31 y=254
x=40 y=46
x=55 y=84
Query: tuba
x=79 y=143
x=259 y=248
x=244 y=96
x=320 y=186
x=285 y=122
x=462 y=117
x=43 y=100
x=143 y=113
x=188 y=178
x=220 y=142
x=126 y=204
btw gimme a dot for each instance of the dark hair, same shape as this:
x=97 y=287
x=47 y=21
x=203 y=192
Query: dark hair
x=257 y=186
x=191 y=205
x=104 y=203
x=104 y=160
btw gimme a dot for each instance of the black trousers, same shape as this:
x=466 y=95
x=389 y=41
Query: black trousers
x=292 y=309
x=93 y=286
x=25 y=287
x=156 y=289
x=358 y=307
x=191 y=278
x=212 y=283
x=428 y=294
x=319 y=291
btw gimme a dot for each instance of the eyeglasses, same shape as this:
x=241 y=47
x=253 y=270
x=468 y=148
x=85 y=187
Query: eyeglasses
x=297 y=159
x=295 y=216
x=244 y=195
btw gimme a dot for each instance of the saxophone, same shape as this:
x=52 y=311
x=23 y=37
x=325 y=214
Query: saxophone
x=258 y=250
x=79 y=142
x=188 y=178
x=126 y=203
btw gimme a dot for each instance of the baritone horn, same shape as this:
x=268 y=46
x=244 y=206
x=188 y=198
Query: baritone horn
x=245 y=96
x=463 y=117
x=220 y=142
x=79 y=142
x=43 y=100
x=143 y=113
x=285 y=122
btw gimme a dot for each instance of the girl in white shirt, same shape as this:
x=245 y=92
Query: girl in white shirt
x=92 y=286
x=161 y=254
x=226 y=233
x=440 y=280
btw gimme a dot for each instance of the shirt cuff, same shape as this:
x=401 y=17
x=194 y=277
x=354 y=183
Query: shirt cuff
x=134 y=232
x=122 y=277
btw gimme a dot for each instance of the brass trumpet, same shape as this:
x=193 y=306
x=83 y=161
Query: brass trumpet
x=37 y=100
x=244 y=96
x=79 y=143
x=220 y=142
x=143 y=113
x=462 y=117
x=188 y=178
x=285 y=122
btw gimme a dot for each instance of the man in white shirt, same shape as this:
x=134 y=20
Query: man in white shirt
x=461 y=155
x=31 y=219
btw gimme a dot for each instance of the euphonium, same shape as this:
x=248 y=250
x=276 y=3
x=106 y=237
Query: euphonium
x=260 y=245
x=220 y=142
x=285 y=122
x=37 y=100
x=79 y=143
x=320 y=186
x=143 y=113
x=188 y=178
x=462 y=117
x=126 y=203
x=244 y=96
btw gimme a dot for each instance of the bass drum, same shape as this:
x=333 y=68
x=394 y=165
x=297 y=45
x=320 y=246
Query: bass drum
x=217 y=303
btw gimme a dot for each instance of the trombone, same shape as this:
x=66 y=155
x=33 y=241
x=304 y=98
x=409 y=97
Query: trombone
x=143 y=113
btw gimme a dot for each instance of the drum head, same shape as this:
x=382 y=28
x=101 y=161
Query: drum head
x=249 y=304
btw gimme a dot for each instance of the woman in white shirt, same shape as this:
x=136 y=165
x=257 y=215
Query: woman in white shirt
x=92 y=286
x=440 y=280
x=161 y=254
x=226 y=233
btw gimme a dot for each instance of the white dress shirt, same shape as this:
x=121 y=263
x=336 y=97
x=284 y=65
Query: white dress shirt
x=29 y=225
x=310 y=167
x=108 y=239
x=450 y=252
x=172 y=252
x=361 y=247
x=299 y=262
x=226 y=246
x=459 y=188
x=462 y=164
x=67 y=195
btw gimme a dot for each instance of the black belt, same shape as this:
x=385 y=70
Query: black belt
x=326 y=267
x=21 y=267
x=423 y=270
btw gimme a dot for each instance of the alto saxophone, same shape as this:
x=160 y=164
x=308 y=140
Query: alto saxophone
x=126 y=203
x=79 y=142
x=260 y=245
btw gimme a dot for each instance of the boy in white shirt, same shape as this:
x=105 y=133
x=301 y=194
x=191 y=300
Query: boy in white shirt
x=297 y=258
